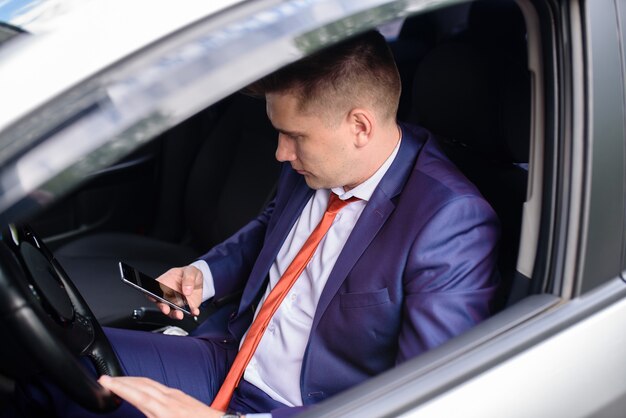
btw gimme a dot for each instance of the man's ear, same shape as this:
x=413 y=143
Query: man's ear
x=362 y=124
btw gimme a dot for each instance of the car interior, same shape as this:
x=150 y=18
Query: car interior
x=465 y=76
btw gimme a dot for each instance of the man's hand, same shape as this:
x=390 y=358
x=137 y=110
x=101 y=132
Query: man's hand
x=188 y=281
x=156 y=400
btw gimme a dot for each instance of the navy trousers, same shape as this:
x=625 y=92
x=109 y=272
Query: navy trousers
x=195 y=364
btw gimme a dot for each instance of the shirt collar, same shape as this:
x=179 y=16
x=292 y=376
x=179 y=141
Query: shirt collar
x=365 y=190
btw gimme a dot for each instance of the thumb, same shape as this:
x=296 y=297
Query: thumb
x=188 y=282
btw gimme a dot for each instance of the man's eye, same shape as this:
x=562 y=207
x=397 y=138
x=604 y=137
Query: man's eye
x=293 y=137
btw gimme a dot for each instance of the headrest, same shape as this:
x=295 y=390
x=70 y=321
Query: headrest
x=497 y=22
x=477 y=96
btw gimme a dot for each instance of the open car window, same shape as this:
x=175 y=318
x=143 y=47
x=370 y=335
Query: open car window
x=440 y=51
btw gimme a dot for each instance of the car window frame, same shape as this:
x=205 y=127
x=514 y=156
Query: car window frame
x=602 y=250
x=621 y=16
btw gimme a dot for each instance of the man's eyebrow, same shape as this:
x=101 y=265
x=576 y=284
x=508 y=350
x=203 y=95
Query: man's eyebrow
x=287 y=132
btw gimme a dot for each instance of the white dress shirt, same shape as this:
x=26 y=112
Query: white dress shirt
x=276 y=364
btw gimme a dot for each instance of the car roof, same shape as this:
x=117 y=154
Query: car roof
x=69 y=41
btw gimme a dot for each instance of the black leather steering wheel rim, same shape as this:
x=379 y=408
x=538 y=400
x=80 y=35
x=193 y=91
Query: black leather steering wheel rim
x=50 y=320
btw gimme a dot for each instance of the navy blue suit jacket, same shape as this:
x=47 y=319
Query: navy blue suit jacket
x=417 y=270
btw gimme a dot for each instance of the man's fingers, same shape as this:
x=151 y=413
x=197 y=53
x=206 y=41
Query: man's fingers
x=156 y=400
x=176 y=314
x=186 y=280
x=145 y=394
x=190 y=276
x=129 y=385
x=164 y=308
x=171 y=312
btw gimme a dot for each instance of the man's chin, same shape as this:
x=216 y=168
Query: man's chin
x=313 y=183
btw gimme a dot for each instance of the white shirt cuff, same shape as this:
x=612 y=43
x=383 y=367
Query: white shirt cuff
x=258 y=415
x=208 y=287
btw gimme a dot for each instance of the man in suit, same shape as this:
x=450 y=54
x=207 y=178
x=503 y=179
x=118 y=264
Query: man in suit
x=406 y=265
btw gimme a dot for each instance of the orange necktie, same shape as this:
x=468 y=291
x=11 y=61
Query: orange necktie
x=276 y=296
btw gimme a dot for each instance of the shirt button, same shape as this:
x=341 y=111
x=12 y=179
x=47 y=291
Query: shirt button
x=293 y=297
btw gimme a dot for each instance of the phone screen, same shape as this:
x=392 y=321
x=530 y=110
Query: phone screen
x=151 y=287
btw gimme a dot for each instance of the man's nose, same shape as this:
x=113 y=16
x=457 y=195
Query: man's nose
x=285 y=151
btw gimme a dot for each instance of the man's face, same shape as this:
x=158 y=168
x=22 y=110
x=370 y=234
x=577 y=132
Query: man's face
x=324 y=153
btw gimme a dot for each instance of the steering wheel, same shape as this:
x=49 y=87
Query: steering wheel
x=50 y=320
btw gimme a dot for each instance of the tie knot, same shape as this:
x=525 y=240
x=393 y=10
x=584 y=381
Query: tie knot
x=335 y=204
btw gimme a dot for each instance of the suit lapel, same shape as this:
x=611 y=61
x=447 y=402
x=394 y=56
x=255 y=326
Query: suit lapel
x=274 y=241
x=371 y=220
x=374 y=216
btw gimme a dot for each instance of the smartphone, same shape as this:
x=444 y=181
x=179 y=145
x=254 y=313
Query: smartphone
x=148 y=285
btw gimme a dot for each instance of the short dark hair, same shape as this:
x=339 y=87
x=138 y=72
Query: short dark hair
x=355 y=72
